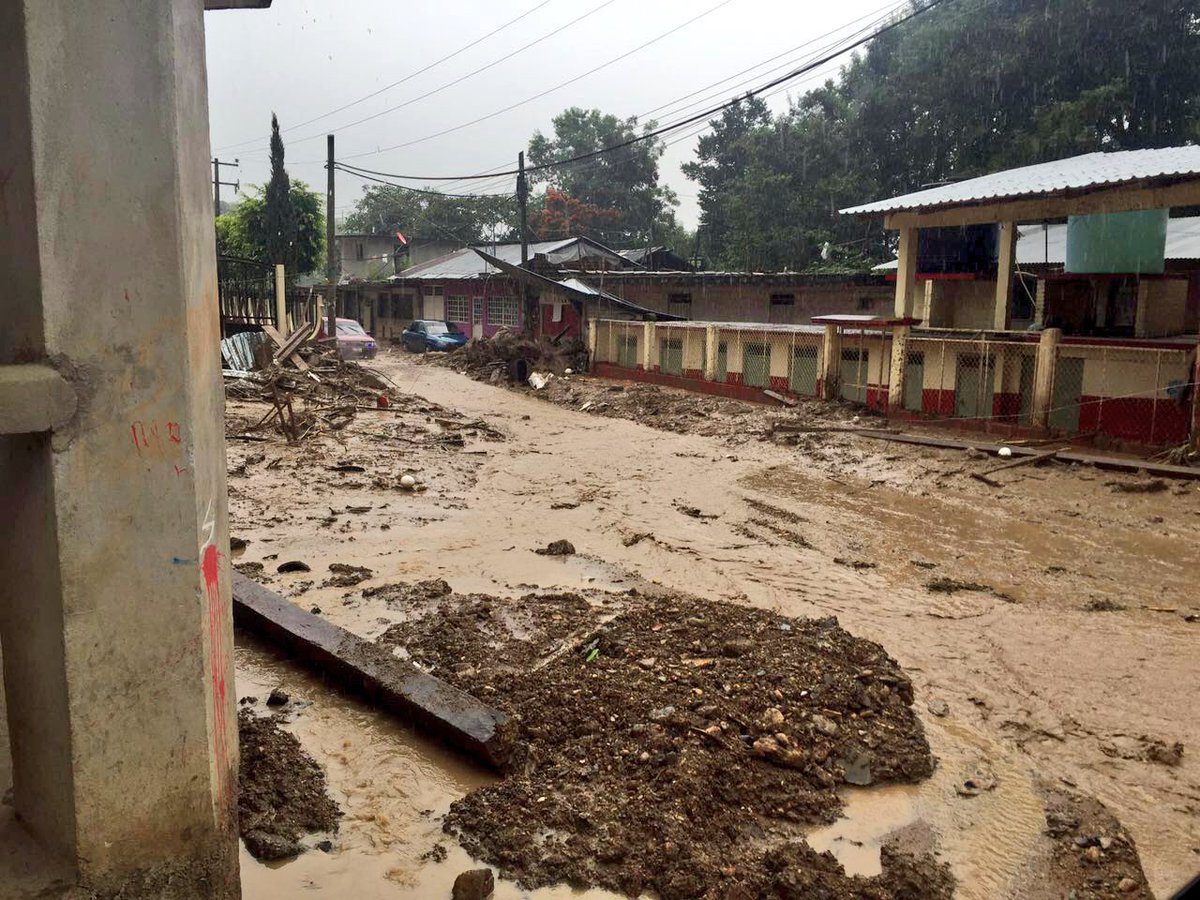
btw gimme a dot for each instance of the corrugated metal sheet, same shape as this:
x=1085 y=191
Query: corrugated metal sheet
x=1036 y=246
x=1092 y=170
x=466 y=264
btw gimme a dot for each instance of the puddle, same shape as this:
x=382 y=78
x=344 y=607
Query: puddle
x=393 y=787
x=870 y=816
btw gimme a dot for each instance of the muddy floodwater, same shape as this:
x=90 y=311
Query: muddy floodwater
x=1067 y=658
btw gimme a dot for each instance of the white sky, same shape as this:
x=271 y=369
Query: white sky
x=303 y=58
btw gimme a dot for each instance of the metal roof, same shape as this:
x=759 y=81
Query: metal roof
x=1077 y=173
x=1039 y=245
x=467 y=264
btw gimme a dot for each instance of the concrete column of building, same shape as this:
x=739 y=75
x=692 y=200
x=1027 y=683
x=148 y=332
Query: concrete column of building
x=1043 y=382
x=1039 y=302
x=647 y=344
x=1142 y=313
x=712 y=340
x=1005 y=271
x=281 y=300
x=114 y=581
x=906 y=273
x=900 y=335
x=830 y=367
x=1195 y=430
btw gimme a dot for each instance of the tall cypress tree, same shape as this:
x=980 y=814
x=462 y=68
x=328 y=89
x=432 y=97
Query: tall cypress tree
x=280 y=216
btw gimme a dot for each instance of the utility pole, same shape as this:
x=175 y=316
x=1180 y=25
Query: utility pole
x=531 y=309
x=331 y=260
x=217 y=182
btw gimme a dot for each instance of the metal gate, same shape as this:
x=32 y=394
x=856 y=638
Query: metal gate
x=802 y=376
x=756 y=365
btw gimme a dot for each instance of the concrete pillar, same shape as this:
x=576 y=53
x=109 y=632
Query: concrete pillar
x=1043 y=382
x=647 y=345
x=1039 y=302
x=281 y=322
x=900 y=335
x=906 y=273
x=1195 y=430
x=1141 y=319
x=1005 y=270
x=114 y=581
x=712 y=340
x=830 y=369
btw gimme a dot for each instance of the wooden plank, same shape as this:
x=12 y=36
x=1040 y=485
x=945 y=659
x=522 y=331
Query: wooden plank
x=1113 y=463
x=277 y=339
x=365 y=668
x=786 y=401
x=1032 y=460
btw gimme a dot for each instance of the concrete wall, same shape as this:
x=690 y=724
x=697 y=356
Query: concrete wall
x=114 y=587
x=728 y=299
x=1162 y=307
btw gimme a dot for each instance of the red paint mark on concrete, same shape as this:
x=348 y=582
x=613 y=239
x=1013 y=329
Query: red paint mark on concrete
x=210 y=568
x=179 y=470
x=173 y=433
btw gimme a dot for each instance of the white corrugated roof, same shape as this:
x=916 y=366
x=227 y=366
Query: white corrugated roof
x=466 y=263
x=1076 y=173
x=1047 y=245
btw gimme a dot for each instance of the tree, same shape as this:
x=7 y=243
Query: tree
x=279 y=221
x=968 y=88
x=384 y=209
x=244 y=230
x=620 y=188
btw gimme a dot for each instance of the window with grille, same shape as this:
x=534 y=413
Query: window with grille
x=502 y=311
x=783 y=299
x=433 y=291
x=458 y=309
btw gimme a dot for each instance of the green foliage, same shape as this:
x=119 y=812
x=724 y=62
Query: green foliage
x=279 y=219
x=384 y=209
x=620 y=188
x=972 y=87
x=244 y=230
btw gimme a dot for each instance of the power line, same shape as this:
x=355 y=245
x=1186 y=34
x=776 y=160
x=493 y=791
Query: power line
x=408 y=77
x=449 y=84
x=648 y=135
x=405 y=187
x=551 y=90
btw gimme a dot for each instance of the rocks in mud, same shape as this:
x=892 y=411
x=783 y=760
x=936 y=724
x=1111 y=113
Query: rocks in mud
x=346 y=575
x=827 y=727
x=737 y=647
x=953 y=586
x=474 y=884
x=294 y=565
x=938 y=708
x=772 y=719
x=1163 y=753
x=271 y=847
x=278 y=697
x=557 y=548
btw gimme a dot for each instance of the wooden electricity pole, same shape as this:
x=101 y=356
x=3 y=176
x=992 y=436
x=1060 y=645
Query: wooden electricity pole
x=331 y=260
x=530 y=304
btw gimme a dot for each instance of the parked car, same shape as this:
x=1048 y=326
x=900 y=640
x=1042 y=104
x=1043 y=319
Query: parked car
x=430 y=334
x=353 y=341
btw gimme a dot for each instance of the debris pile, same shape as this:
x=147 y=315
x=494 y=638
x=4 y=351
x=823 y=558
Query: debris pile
x=1092 y=853
x=514 y=357
x=309 y=387
x=670 y=744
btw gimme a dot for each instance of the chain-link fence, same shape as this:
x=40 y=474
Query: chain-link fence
x=1115 y=393
x=970 y=379
x=1140 y=395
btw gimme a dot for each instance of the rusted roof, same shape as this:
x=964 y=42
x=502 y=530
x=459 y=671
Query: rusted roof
x=1072 y=175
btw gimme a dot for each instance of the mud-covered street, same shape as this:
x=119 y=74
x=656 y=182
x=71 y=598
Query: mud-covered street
x=1047 y=626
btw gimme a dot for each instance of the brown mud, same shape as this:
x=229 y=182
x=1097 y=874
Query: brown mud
x=281 y=790
x=672 y=744
x=1028 y=686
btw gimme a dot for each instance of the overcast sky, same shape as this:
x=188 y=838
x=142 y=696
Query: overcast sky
x=304 y=58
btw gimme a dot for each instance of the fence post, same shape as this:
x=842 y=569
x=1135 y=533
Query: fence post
x=710 y=352
x=831 y=355
x=1196 y=400
x=900 y=335
x=281 y=300
x=1043 y=382
x=647 y=342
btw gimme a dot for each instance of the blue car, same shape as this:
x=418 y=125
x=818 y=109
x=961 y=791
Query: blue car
x=430 y=334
